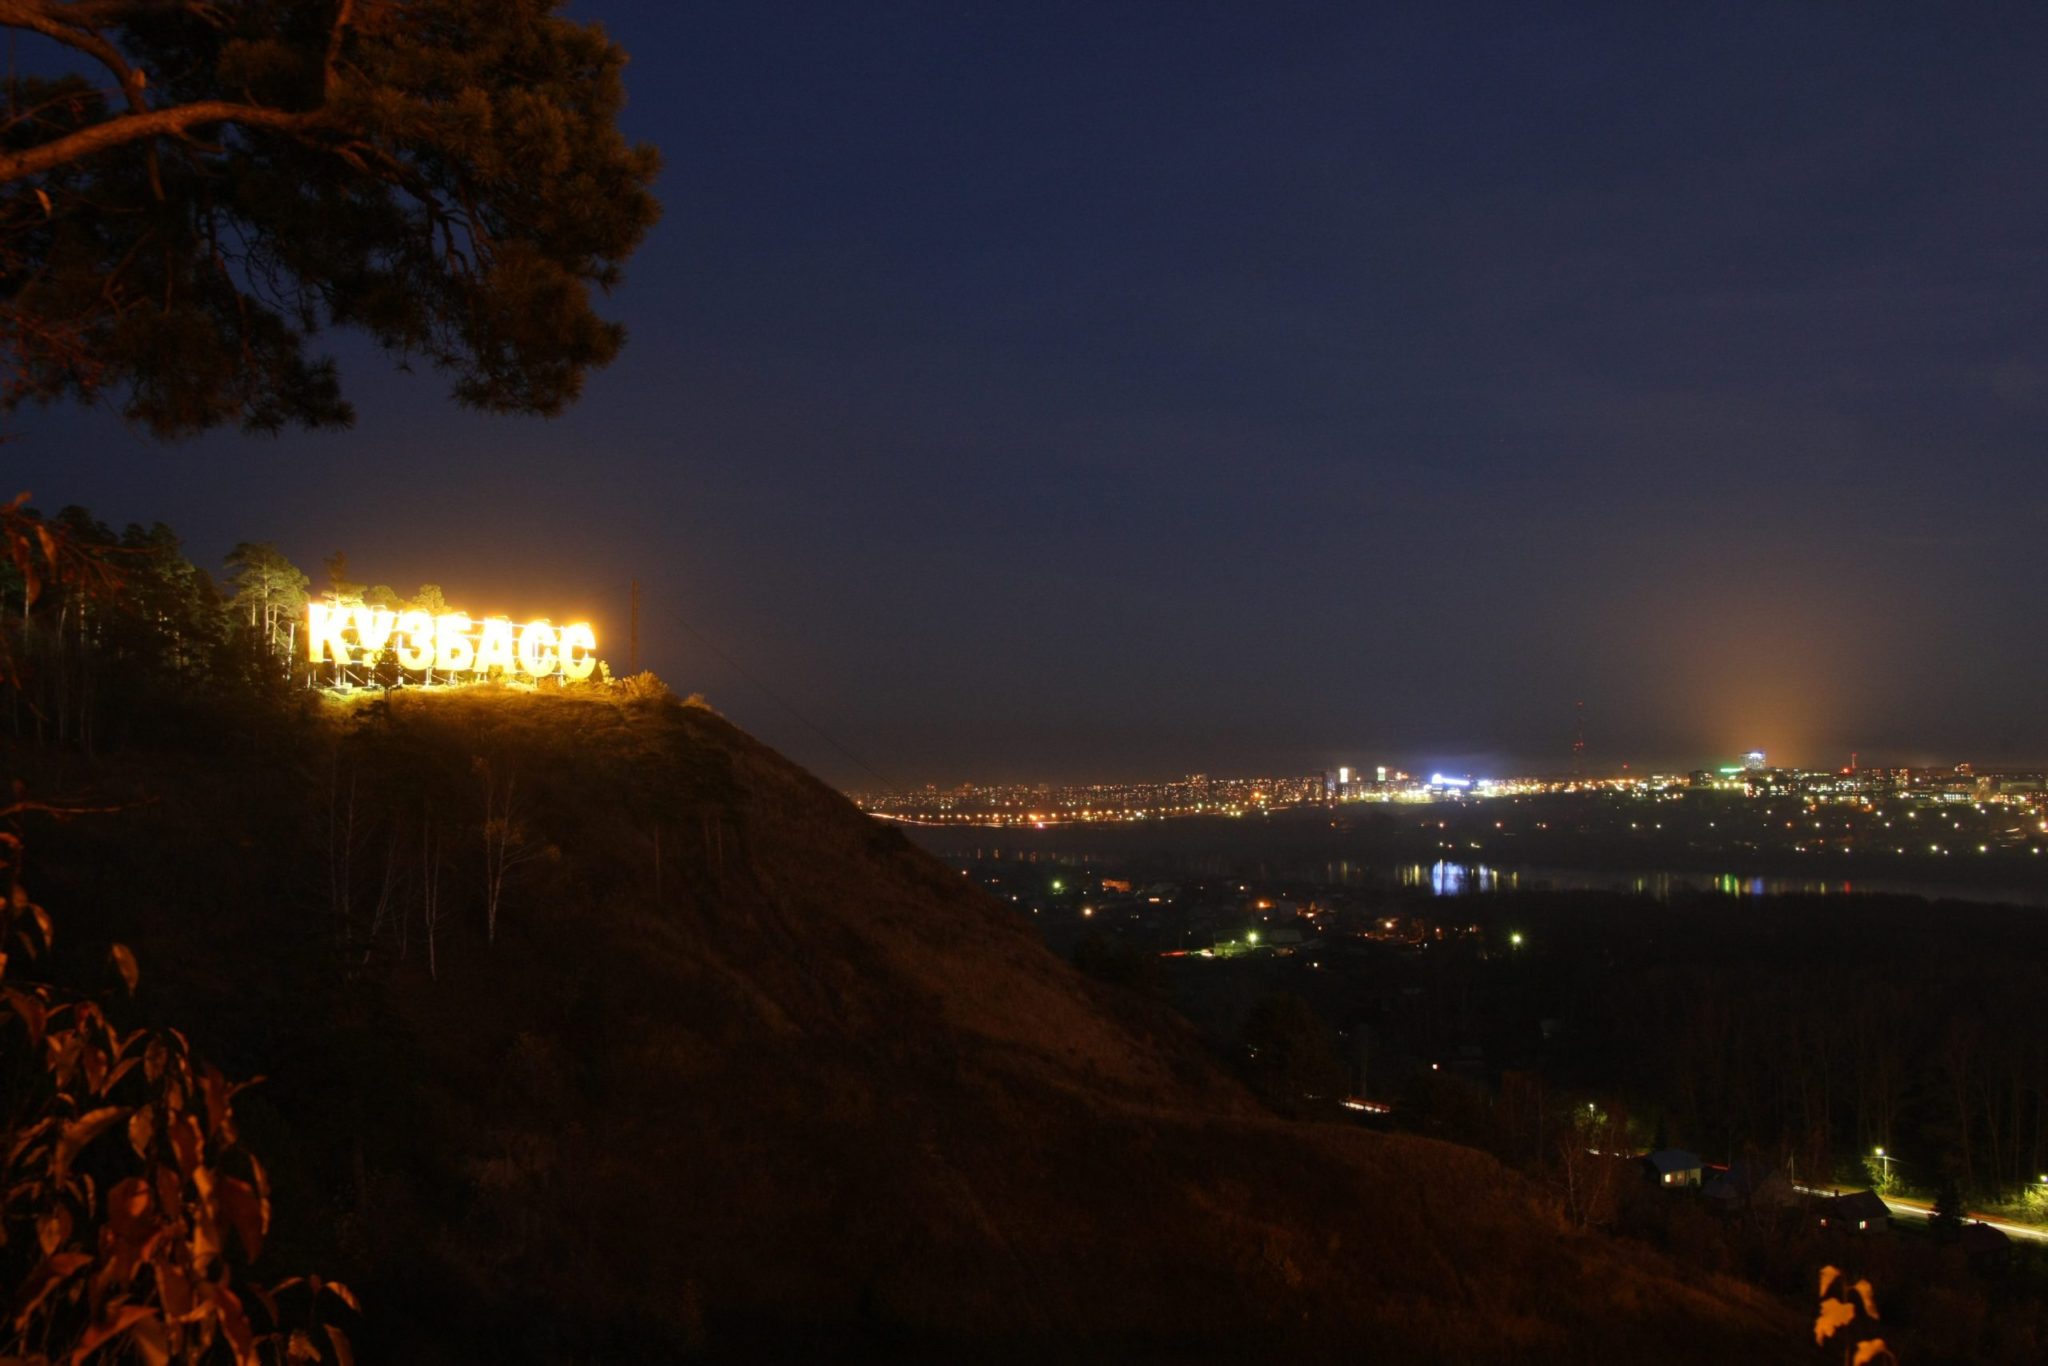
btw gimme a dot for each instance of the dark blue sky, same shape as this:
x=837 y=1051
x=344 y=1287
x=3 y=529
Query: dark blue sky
x=1119 y=390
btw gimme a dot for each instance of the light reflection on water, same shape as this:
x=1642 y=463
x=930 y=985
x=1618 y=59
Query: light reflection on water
x=1446 y=878
x=1453 y=878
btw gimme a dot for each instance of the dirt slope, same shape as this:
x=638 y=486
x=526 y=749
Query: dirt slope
x=745 y=1075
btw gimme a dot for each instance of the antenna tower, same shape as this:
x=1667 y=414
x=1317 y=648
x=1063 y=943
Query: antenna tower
x=1578 y=739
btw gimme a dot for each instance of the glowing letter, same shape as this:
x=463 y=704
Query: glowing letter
x=537 y=649
x=494 y=649
x=454 y=650
x=577 y=667
x=418 y=652
x=373 y=630
x=323 y=634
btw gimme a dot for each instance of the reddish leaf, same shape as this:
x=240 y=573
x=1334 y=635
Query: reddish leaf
x=121 y=1069
x=220 y=1116
x=128 y=1211
x=152 y=1342
x=167 y=1188
x=342 y=1293
x=186 y=1144
x=28 y=1136
x=53 y=1272
x=82 y=1131
x=342 y=1352
x=34 y=1014
x=235 y=1324
x=245 y=1211
x=174 y=1288
x=141 y=1127
x=53 y=1229
x=124 y=961
x=122 y=1320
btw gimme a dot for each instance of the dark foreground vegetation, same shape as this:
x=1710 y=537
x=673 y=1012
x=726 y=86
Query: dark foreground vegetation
x=591 y=1030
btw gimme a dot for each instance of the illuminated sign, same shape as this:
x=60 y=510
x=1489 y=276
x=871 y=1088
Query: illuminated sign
x=352 y=635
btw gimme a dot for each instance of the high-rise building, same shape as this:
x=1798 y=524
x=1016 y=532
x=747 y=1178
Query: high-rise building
x=1753 y=762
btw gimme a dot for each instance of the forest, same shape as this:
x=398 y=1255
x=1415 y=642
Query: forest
x=126 y=640
x=132 y=679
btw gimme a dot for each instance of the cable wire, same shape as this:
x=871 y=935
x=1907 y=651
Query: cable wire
x=777 y=698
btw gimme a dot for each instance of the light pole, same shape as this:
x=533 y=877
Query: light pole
x=1886 y=1179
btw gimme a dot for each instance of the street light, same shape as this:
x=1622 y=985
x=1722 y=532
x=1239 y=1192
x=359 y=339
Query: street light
x=1886 y=1179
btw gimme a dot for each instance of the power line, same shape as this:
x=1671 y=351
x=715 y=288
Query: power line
x=777 y=698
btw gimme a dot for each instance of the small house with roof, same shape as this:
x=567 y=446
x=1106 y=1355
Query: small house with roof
x=1674 y=1168
x=1856 y=1212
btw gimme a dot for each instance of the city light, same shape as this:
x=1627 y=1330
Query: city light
x=1996 y=812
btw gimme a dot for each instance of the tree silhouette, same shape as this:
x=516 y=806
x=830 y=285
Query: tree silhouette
x=446 y=175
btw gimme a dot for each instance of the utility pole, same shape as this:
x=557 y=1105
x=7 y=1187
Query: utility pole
x=633 y=646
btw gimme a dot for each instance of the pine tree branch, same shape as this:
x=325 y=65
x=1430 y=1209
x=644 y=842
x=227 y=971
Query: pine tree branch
x=176 y=120
x=64 y=27
x=343 y=12
x=59 y=25
x=94 y=13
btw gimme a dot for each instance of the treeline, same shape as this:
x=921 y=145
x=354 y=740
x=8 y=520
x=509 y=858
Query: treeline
x=126 y=640
x=1802 y=1033
x=1934 y=1050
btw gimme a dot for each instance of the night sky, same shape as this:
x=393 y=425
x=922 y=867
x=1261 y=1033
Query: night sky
x=1124 y=390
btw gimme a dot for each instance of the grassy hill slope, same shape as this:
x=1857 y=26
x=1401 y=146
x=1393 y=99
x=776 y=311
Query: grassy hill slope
x=743 y=1074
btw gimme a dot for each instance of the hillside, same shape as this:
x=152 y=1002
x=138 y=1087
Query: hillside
x=744 y=1075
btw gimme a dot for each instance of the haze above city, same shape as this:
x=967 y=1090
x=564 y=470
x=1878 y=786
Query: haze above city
x=1104 y=392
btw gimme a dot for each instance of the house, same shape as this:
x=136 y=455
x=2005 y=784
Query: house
x=1673 y=1168
x=1748 y=1186
x=1856 y=1212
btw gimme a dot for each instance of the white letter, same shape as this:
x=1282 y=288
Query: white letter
x=323 y=634
x=577 y=667
x=373 y=631
x=537 y=649
x=417 y=654
x=494 y=651
x=451 y=639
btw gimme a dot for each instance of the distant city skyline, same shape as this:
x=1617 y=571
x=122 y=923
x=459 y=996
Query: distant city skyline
x=1562 y=769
